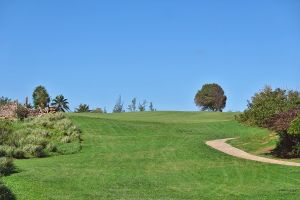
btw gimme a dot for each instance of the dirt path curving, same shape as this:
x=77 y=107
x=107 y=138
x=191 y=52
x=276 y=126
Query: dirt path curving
x=222 y=146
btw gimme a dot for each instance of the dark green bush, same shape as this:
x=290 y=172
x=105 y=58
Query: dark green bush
x=288 y=146
x=5 y=193
x=19 y=154
x=287 y=125
x=22 y=112
x=6 y=166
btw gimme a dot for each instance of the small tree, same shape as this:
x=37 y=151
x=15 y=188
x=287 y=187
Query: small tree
x=60 y=103
x=119 y=106
x=211 y=97
x=82 y=108
x=40 y=97
x=142 y=106
x=151 y=108
x=4 y=101
x=132 y=106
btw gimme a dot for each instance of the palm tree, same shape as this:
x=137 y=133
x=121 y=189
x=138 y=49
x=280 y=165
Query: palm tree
x=60 y=103
x=82 y=108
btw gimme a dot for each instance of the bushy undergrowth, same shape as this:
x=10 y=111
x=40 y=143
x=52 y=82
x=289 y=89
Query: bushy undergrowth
x=6 y=166
x=37 y=137
x=278 y=110
x=21 y=112
x=5 y=193
x=287 y=125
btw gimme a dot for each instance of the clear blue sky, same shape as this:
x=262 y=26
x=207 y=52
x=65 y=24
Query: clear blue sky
x=159 y=50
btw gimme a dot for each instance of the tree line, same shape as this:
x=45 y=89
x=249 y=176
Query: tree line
x=41 y=100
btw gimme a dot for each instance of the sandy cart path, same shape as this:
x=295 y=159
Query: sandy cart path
x=222 y=146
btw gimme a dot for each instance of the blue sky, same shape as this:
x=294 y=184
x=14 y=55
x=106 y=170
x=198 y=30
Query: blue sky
x=159 y=50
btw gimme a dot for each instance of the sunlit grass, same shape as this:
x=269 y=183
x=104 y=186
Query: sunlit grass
x=160 y=155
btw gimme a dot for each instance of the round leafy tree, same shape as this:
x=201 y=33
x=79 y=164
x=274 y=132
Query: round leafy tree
x=40 y=97
x=211 y=97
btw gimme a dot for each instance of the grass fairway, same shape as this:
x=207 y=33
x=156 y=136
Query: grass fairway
x=159 y=155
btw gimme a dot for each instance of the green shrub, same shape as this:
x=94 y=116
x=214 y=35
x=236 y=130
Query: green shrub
x=19 y=153
x=35 y=150
x=15 y=139
x=286 y=124
x=6 y=166
x=294 y=128
x=21 y=112
x=37 y=140
x=51 y=147
x=63 y=125
x=35 y=137
x=288 y=146
x=5 y=193
x=267 y=103
x=6 y=150
x=66 y=139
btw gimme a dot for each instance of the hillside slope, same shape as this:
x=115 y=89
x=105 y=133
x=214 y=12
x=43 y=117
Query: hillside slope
x=159 y=155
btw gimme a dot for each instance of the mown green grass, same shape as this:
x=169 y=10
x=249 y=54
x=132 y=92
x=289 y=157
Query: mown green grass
x=159 y=155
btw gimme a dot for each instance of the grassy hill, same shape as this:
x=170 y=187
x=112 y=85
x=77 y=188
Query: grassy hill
x=157 y=155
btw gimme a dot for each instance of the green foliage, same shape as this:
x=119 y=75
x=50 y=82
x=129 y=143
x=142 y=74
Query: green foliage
x=267 y=103
x=288 y=146
x=37 y=137
x=155 y=155
x=277 y=110
x=21 y=112
x=60 y=103
x=97 y=110
x=151 y=107
x=35 y=150
x=82 y=108
x=294 y=128
x=6 y=166
x=119 y=106
x=19 y=153
x=5 y=193
x=132 y=106
x=211 y=97
x=5 y=130
x=142 y=106
x=6 y=150
x=40 y=97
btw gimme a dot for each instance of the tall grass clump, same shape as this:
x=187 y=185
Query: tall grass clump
x=38 y=137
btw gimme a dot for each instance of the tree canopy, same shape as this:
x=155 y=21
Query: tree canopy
x=60 y=103
x=82 y=108
x=211 y=97
x=40 y=97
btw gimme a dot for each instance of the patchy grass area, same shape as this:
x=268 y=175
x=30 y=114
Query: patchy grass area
x=160 y=155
